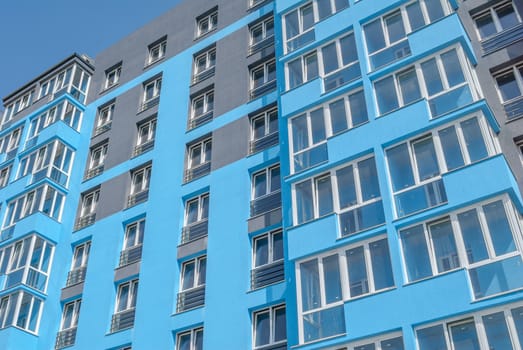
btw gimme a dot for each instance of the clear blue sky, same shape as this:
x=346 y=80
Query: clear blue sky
x=37 y=34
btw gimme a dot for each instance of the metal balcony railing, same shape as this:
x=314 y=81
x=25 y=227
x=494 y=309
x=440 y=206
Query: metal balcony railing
x=76 y=276
x=209 y=72
x=502 y=39
x=94 y=171
x=266 y=203
x=102 y=128
x=514 y=109
x=144 y=147
x=84 y=221
x=195 y=231
x=198 y=171
x=201 y=119
x=262 y=89
x=264 y=142
x=137 y=198
x=150 y=103
x=122 y=320
x=267 y=274
x=267 y=42
x=190 y=299
x=65 y=338
x=131 y=255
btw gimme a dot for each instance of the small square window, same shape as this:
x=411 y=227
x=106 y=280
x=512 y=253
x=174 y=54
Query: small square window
x=112 y=76
x=206 y=22
x=261 y=34
x=496 y=19
x=151 y=93
x=146 y=136
x=156 y=51
x=509 y=82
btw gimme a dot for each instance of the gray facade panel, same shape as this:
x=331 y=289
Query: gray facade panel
x=72 y=291
x=113 y=196
x=230 y=143
x=126 y=271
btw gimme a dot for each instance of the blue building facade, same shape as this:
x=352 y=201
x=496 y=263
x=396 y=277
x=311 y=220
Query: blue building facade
x=325 y=174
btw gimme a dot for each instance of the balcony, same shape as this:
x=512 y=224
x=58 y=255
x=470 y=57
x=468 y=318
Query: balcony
x=190 y=299
x=267 y=274
x=149 y=103
x=84 y=221
x=65 y=338
x=144 y=147
x=76 y=276
x=390 y=54
x=262 y=89
x=196 y=172
x=264 y=142
x=7 y=233
x=122 y=320
x=195 y=231
x=420 y=198
x=266 y=203
x=137 y=198
x=54 y=174
x=502 y=39
x=130 y=255
x=200 y=119
x=514 y=109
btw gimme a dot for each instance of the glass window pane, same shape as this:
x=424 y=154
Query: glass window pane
x=431 y=338
x=408 y=82
x=400 y=167
x=392 y=344
x=451 y=148
x=374 y=36
x=202 y=271
x=198 y=341
x=307 y=17
x=394 y=26
x=260 y=184
x=277 y=246
x=464 y=336
x=368 y=179
x=275 y=179
x=280 y=325
x=123 y=296
x=517 y=317
x=416 y=253
x=295 y=73
x=432 y=77
x=499 y=228
x=485 y=26
x=348 y=49
x=434 y=9
x=318 y=126
x=346 y=187
x=261 y=248
x=310 y=285
x=184 y=342
x=365 y=347
x=472 y=236
x=415 y=15
x=498 y=336
x=381 y=266
x=304 y=201
x=358 y=108
x=324 y=8
x=358 y=281
x=508 y=86
x=204 y=207
x=331 y=275
x=452 y=66
x=426 y=159
x=263 y=328
x=188 y=276
x=386 y=95
x=311 y=67
x=330 y=58
x=291 y=24
x=507 y=17
x=338 y=116
x=444 y=246
x=474 y=139
x=300 y=138
x=324 y=189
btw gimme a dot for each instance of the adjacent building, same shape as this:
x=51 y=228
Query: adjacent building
x=254 y=174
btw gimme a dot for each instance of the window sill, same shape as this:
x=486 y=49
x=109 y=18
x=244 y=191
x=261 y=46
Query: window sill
x=203 y=35
x=152 y=63
x=105 y=90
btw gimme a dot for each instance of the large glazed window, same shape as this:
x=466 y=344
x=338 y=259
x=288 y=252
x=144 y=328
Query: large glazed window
x=21 y=310
x=44 y=199
x=496 y=19
x=269 y=329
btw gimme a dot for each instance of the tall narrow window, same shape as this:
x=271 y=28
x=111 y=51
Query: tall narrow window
x=202 y=108
x=198 y=159
x=190 y=340
x=264 y=130
x=132 y=244
x=266 y=190
x=88 y=205
x=196 y=215
x=267 y=259
x=104 y=118
x=263 y=78
x=97 y=156
x=270 y=327
x=145 y=137
x=151 y=93
x=67 y=334
x=79 y=264
x=204 y=64
x=125 y=304
x=140 y=179
x=192 y=284
x=112 y=76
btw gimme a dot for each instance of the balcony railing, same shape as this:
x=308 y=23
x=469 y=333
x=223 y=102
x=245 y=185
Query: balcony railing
x=65 y=338
x=53 y=173
x=10 y=155
x=267 y=274
x=137 y=198
x=209 y=72
x=390 y=54
x=266 y=203
x=76 y=276
x=94 y=171
x=262 y=89
x=195 y=231
x=149 y=103
x=420 y=198
x=200 y=119
x=267 y=42
x=190 y=299
x=264 y=142
x=301 y=40
x=197 y=171
x=122 y=320
x=131 y=255
x=102 y=128
x=144 y=147
x=311 y=157
x=514 y=109
x=84 y=221
x=502 y=39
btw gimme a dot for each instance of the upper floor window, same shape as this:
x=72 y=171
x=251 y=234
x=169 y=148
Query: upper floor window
x=365 y=268
x=496 y=19
x=132 y=244
x=416 y=166
x=10 y=142
x=510 y=88
x=207 y=22
x=263 y=78
x=21 y=310
x=146 y=136
x=386 y=36
x=267 y=261
x=56 y=83
x=202 y=108
x=270 y=327
x=261 y=34
x=310 y=130
x=204 y=63
x=264 y=130
x=67 y=335
x=198 y=159
x=64 y=111
x=27 y=261
x=21 y=103
x=88 y=204
x=190 y=340
x=73 y=80
x=151 y=93
x=104 y=118
x=97 y=156
x=140 y=179
x=112 y=76
x=336 y=63
x=196 y=215
x=192 y=284
x=124 y=309
x=445 y=81
x=5 y=172
x=79 y=263
x=354 y=194
x=265 y=193
x=299 y=23
x=156 y=51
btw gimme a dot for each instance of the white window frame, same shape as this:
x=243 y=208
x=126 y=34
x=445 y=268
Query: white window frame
x=150 y=126
x=491 y=11
x=266 y=67
x=266 y=117
x=112 y=76
x=272 y=314
x=263 y=24
x=105 y=115
x=203 y=159
x=156 y=85
x=139 y=226
x=199 y=200
x=97 y=155
x=270 y=248
x=130 y=301
x=143 y=185
x=197 y=273
x=205 y=98
x=89 y=202
x=16 y=107
x=5 y=174
x=518 y=75
x=156 y=51
x=267 y=172
x=208 y=62
x=80 y=256
x=210 y=20
x=378 y=342
x=75 y=314
x=192 y=335
x=14 y=301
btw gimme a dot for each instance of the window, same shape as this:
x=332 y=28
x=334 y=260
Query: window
x=270 y=327
x=204 y=64
x=64 y=111
x=146 y=135
x=97 y=156
x=44 y=199
x=21 y=310
x=265 y=192
x=510 y=88
x=9 y=143
x=67 y=335
x=336 y=63
x=365 y=268
x=5 y=172
x=13 y=108
x=496 y=19
x=263 y=78
x=190 y=340
x=88 y=206
x=481 y=239
x=27 y=261
x=52 y=161
x=445 y=81
x=310 y=130
x=140 y=179
x=386 y=36
x=352 y=191
x=499 y=328
x=112 y=76
x=151 y=93
x=299 y=23
x=73 y=80
x=104 y=118
x=416 y=166
x=196 y=215
x=56 y=83
x=207 y=22
x=79 y=264
x=198 y=159
x=132 y=244
x=267 y=259
x=124 y=309
x=192 y=284
x=261 y=34
x=202 y=107
x=156 y=51
x=264 y=130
